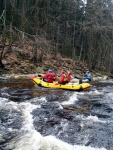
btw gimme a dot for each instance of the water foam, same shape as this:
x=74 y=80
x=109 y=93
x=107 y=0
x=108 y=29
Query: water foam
x=94 y=118
x=34 y=141
x=71 y=100
x=95 y=92
x=27 y=108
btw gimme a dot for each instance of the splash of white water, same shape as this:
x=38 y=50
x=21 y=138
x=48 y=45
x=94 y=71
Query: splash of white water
x=95 y=92
x=71 y=100
x=28 y=121
x=95 y=119
x=34 y=141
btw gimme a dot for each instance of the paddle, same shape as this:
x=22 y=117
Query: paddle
x=32 y=76
x=76 y=77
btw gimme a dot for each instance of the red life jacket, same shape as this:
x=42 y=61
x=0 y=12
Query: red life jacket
x=48 y=77
x=54 y=76
x=69 y=77
x=63 y=79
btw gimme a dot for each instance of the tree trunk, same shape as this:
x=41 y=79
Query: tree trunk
x=1 y=64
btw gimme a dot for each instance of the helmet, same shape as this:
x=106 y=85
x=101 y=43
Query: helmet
x=50 y=70
x=69 y=72
x=62 y=71
x=87 y=70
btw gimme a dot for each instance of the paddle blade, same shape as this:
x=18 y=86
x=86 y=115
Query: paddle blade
x=56 y=83
x=32 y=76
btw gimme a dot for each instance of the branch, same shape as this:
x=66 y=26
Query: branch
x=50 y=20
x=2 y=14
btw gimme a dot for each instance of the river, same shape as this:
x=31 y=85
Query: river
x=35 y=118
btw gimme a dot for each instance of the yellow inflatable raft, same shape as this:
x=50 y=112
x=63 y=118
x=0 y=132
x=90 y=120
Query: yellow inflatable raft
x=69 y=86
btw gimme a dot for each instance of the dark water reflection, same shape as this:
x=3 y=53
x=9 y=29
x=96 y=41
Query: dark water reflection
x=85 y=120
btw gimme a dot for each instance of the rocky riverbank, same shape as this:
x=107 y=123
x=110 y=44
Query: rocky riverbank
x=96 y=76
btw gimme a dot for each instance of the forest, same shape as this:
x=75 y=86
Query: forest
x=79 y=29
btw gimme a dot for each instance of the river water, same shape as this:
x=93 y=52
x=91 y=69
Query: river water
x=35 y=118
